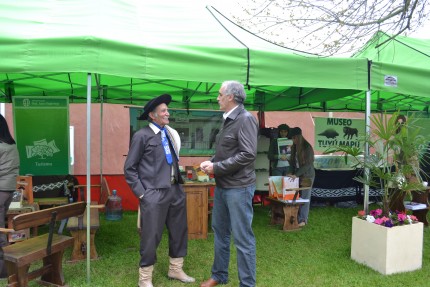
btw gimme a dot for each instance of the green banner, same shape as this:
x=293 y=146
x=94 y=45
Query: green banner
x=42 y=134
x=338 y=131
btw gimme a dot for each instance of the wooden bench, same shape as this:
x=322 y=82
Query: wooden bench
x=77 y=226
x=285 y=212
x=104 y=191
x=48 y=247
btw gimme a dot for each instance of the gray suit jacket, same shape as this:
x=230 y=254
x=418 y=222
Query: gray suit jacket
x=236 y=150
x=146 y=166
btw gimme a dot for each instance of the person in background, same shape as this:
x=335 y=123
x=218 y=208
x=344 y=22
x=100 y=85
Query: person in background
x=233 y=167
x=152 y=171
x=302 y=162
x=9 y=170
x=279 y=162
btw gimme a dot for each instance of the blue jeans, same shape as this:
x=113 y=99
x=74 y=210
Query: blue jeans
x=233 y=213
x=282 y=171
x=304 y=209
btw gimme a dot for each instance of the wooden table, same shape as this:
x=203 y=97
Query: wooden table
x=285 y=213
x=421 y=197
x=197 y=208
x=78 y=229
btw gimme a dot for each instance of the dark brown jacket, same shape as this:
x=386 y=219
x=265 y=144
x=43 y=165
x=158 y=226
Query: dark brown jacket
x=236 y=150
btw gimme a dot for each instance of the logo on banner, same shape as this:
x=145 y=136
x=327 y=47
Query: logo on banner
x=390 y=81
x=26 y=102
x=42 y=149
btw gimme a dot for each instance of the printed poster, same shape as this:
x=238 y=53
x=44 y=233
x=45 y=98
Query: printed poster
x=197 y=128
x=284 y=146
x=42 y=134
x=331 y=132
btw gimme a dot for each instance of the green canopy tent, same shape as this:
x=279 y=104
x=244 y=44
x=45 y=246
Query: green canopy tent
x=129 y=51
x=400 y=72
x=399 y=76
x=138 y=50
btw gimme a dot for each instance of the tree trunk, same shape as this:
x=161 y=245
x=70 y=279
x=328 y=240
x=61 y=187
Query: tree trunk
x=396 y=201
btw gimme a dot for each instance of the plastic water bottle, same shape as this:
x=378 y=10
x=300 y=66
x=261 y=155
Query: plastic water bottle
x=113 y=207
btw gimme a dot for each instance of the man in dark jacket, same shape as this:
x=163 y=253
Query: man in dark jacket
x=151 y=169
x=233 y=167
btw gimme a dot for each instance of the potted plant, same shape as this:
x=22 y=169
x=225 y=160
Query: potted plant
x=382 y=238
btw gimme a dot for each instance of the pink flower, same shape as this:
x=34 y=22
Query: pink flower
x=379 y=221
x=376 y=212
x=385 y=219
x=413 y=217
x=401 y=216
x=393 y=219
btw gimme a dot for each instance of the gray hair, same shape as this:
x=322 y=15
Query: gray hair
x=236 y=89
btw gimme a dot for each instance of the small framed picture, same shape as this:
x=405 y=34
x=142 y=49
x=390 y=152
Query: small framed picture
x=16 y=199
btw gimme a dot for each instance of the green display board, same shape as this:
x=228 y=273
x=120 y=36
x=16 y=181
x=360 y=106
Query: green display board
x=338 y=131
x=42 y=134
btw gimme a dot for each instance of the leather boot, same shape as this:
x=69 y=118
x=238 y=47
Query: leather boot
x=176 y=272
x=145 y=276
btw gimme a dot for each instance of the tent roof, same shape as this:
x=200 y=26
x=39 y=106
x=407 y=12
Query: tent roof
x=138 y=49
x=401 y=50
x=402 y=58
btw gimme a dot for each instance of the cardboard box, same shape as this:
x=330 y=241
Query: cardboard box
x=287 y=184
x=280 y=187
x=275 y=186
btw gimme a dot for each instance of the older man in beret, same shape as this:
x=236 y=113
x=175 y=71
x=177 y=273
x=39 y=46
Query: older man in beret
x=152 y=171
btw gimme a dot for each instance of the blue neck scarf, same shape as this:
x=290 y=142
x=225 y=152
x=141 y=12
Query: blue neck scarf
x=165 y=142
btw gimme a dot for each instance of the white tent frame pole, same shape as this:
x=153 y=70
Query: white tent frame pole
x=101 y=94
x=366 y=144
x=367 y=152
x=101 y=138
x=88 y=173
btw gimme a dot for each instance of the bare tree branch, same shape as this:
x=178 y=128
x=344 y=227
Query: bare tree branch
x=329 y=27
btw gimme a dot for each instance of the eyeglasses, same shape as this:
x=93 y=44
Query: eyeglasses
x=221 y=95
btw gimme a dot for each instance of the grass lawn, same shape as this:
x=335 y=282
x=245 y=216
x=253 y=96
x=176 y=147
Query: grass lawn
x=317 y=255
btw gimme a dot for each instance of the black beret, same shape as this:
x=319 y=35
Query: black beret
x=152 y=104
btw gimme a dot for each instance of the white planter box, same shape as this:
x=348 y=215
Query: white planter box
x=387 y=250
